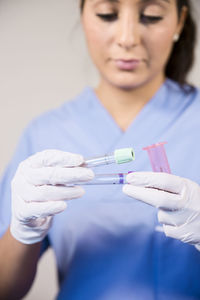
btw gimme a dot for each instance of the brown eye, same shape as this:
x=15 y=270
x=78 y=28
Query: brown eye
x=107 y=17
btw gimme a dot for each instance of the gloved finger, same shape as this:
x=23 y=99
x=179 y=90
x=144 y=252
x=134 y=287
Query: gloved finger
x=57 y=175
x=51 y=158
x=171 y=231
x=40 y=223
x=154 y=197
x=33 y=210
x=162 y=181
x=178 y=232
x=174 y=218
x=51 y=193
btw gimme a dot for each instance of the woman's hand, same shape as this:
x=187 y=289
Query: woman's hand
x=39 y=192
x=177 y=200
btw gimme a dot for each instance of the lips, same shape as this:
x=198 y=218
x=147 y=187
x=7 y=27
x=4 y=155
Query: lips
x=128 y=65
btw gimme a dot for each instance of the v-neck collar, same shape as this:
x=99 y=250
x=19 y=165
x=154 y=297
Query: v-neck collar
x=109 y=128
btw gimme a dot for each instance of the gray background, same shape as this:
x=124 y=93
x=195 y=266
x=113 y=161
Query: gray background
x=43 y=62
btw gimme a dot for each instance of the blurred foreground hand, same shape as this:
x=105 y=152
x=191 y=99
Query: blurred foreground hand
x=177 y=200
x=39 y=192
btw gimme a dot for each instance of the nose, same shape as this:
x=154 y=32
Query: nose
x=128 y=35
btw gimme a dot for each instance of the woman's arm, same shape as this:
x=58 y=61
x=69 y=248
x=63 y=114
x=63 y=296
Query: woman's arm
x=18 y=265
x=39 y=190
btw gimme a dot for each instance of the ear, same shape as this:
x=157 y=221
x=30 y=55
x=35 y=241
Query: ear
x=182 y=18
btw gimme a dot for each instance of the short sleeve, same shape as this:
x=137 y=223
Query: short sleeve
x=24 y=149
x=22 y=152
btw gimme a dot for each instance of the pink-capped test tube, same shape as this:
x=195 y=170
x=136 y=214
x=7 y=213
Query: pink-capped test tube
x=158 y=157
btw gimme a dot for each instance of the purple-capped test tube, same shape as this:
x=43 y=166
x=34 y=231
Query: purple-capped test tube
x=158 y=157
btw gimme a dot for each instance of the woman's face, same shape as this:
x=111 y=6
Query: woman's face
x=130 y=41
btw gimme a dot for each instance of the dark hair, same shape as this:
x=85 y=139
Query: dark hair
x=82 y=4
x=183 y=52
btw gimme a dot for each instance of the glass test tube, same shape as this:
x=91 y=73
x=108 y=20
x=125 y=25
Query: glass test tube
x=158 y=157
x=119 y=156
x=99 y=161
x=101 y=179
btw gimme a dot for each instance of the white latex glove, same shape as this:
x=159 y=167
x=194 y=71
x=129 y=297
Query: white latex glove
x=39 y=192
x=177 y=200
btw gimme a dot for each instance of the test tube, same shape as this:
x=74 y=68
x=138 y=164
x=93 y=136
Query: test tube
x=101 y=179
x=119 y=156
x=158 y=157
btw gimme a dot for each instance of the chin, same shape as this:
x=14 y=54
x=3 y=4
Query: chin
x=126 y=86
x=127 y=82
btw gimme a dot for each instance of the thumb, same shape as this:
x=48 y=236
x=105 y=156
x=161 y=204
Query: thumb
x=44 y=209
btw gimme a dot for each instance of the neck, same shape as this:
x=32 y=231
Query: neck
x=125 y=105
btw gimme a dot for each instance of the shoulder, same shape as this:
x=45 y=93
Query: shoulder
x=186 y=92
x=183 y=99
x=65 y=113
x=54 y=128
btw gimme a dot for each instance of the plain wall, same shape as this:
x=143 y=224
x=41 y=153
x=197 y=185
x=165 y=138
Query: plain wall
x=43 y=62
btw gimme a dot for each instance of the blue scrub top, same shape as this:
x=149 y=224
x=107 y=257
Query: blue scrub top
x=106 y=244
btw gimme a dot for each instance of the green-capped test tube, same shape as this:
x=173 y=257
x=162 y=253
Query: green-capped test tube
x=120 y=156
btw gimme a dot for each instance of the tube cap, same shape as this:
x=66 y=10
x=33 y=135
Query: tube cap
x=124 y=155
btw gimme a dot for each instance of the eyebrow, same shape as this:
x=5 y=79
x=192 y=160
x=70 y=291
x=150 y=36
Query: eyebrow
x=111 y=1
x=142 y=1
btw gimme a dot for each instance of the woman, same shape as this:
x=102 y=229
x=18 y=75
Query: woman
x=107 y=244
